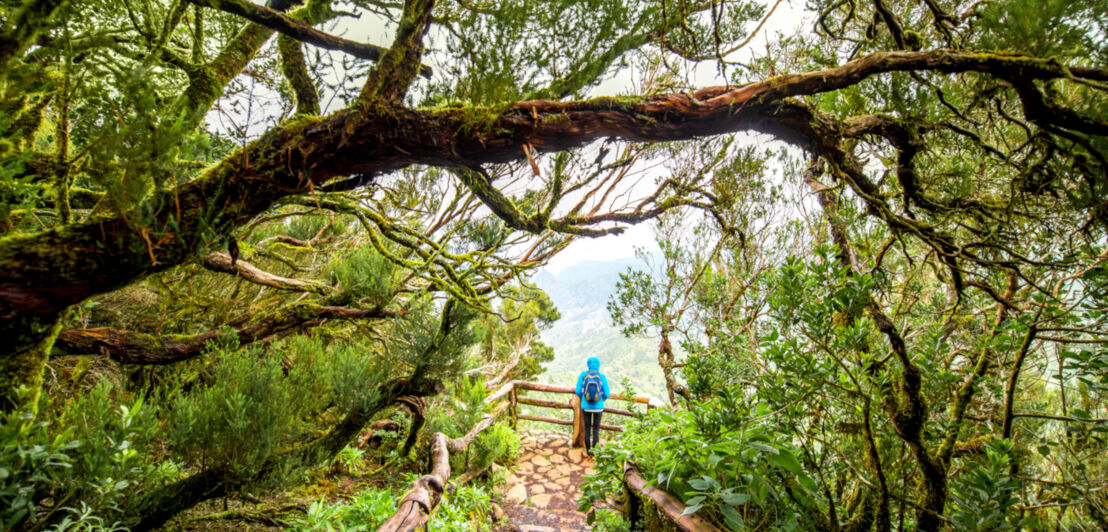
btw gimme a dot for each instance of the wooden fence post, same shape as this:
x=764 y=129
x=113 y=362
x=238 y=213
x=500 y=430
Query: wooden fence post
x=578 y=422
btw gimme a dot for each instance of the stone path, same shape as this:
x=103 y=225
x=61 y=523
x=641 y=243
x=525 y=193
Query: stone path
x=541 y=493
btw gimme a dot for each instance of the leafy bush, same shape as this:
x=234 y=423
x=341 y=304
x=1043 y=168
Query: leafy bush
x=465 y=510
x=984 y=496
x=363 y=275
x=78 y=476
x=114 y=459
x=496 y=443
x=238 y=419
x=31 y=463
x=606 y=520
x=465 y=407
x=737 y=470
x=365 y=512
x=352 y=459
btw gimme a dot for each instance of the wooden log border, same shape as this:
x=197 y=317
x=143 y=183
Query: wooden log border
x=669 y=506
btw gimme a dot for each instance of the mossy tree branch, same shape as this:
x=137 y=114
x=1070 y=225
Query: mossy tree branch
x=222 y=262
x=295 y=70
x=206 y=81
x=398 y=67
x=45 y=272
x=131 y=347
x=23 y=27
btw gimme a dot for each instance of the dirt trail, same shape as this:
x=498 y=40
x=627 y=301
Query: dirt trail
x=541 y=493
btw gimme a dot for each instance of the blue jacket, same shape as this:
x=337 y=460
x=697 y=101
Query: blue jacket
x=594 y=365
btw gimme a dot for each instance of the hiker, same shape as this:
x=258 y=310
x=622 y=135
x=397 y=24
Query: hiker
x=592 y=388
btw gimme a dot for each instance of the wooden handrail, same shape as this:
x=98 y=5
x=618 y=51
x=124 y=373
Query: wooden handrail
x=540 y=402
x=540 y=387
x=672 y=507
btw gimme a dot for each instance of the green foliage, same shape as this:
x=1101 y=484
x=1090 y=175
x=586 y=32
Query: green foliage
x=1048 y=28
x=352 y=459
x=984 y=496
x=87 y=464
x=364 y=276
x=366 y=511
x=605 y=520
x=250 y=408
x=741 y=468
x=31 y=462
x=115 y=460
x=465 y=406
x=512 y=334
x=498 y=443
x=462 y=511
x=465 y=510
x=236 y=422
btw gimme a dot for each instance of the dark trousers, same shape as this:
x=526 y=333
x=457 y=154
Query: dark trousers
x=592 y=430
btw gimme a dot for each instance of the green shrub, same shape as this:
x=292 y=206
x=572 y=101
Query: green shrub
x=984 y=496
x=77 y=471
x=352 y=459
x=238 y=419
x=734 y=470
x=31 y=464
x=605 y=520
x=496 y=443
x=465 y=406
x=465 y=510
x=363 y=275
x=365 y=512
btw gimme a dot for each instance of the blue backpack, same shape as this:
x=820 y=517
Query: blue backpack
x=592 y=386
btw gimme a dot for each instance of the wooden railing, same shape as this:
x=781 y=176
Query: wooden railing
x=573 y=405
x=649 y=506
x=424 y=494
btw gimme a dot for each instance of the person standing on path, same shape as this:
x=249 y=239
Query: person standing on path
x=592 y=388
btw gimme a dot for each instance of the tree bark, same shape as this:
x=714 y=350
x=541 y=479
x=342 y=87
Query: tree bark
x=131 y=347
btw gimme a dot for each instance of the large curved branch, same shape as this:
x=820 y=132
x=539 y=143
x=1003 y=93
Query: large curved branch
x=45 y=272
x=132 y=347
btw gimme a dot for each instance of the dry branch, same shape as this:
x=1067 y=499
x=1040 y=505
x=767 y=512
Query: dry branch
x=222 y=262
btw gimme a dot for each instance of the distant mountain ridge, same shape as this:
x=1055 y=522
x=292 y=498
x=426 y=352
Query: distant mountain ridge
x=581 y=293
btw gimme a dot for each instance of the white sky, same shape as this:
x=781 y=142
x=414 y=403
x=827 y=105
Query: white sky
x=605 y=248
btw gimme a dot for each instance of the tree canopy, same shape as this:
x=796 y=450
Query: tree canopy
x=190 y=185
